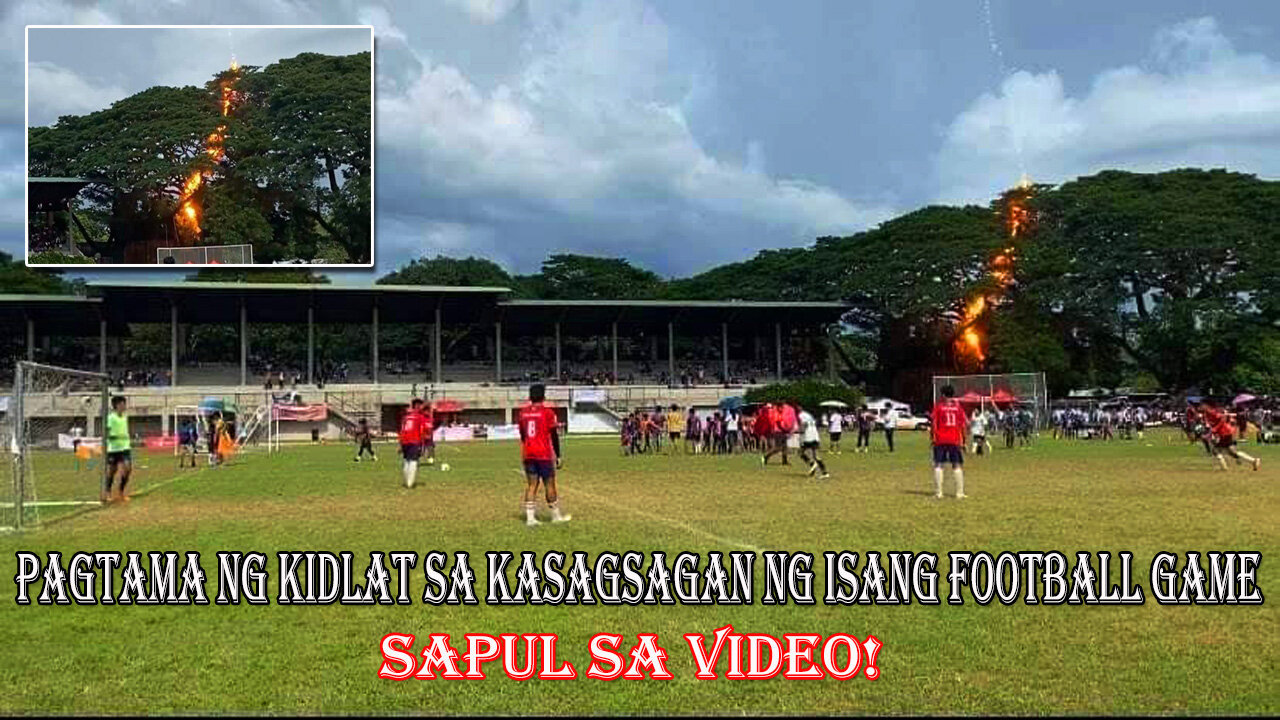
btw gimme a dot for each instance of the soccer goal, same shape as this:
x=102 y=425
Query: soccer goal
x=256 y=430
x=53 y=451
x=999 y=392
x=206 y=255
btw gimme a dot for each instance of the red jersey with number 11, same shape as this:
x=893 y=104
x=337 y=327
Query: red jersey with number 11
x=536 y=425
x=947 y=419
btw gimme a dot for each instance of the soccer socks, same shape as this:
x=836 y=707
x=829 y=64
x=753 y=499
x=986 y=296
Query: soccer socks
x=937 y=482
x=556 y=515
x=959 y=483
x=529 y=518
x=410 y=472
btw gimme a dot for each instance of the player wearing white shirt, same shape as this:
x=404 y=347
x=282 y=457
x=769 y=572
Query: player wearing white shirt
x=890 y=417
x=978 y=431
x=835 y=428
x=811 y=444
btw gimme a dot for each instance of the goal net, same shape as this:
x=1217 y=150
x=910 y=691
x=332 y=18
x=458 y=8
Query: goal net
x=52 y=431
x=251 y=429
x=206 y=255
x=999 y=392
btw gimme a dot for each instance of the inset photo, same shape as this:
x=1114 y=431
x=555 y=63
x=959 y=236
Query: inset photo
x=199 y=145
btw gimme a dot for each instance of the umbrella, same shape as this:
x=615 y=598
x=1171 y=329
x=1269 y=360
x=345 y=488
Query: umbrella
x=1243 y=398
x=833 y=404
x=732 y=403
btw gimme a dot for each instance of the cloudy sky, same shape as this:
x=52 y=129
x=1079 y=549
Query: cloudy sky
x=686 y=134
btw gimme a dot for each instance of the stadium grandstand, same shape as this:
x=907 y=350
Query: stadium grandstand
x=364 y=351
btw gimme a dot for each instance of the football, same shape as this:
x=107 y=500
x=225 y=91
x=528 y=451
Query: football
x=444 y=467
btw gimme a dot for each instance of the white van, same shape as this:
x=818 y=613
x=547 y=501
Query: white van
x=907 y=420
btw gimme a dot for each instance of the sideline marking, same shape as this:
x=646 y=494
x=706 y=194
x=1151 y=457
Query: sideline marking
x=577 y=491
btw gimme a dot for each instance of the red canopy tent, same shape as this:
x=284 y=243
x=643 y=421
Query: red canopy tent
x=446 y=406
x=972 y=398
x=1003 y=398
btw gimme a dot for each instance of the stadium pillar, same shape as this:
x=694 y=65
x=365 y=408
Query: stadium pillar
x=614 y=344
x=777 y=346
x=437 y=355
x=497 y=350
x=724 y=350
x=173 y=344
x=373 y=331
x=311 y=345
x=244 y=343
x=558 y=376
x=671 y=353
x=102 y=346
x=31 y=340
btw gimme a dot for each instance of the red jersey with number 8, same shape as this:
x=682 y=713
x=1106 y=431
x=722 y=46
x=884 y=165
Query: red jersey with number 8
x=947 y=419
x=536 y=425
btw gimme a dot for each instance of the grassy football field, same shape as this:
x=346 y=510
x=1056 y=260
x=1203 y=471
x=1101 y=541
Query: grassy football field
x=1142 y=496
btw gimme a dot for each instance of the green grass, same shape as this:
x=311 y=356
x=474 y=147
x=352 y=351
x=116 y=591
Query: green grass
x=1143 y=496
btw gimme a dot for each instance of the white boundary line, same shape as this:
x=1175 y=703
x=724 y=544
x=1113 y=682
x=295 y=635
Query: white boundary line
x=670 y=522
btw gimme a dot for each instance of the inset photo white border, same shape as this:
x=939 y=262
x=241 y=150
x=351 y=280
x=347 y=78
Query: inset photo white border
x=26 y=146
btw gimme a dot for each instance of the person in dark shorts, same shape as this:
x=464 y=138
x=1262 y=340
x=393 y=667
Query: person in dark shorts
x=540 y=453
x=364 y=440
x=866 y=421
x=947 y=422
x=119 y=451
x=411 y=441
x=187 y=440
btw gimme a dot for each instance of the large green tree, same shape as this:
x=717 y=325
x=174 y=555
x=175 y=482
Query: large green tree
x=294 y=178
x=450 y=272
x=1175 y=269
x=582 y=277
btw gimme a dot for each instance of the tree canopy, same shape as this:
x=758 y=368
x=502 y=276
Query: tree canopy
x=1167 y=279
x=286 y=169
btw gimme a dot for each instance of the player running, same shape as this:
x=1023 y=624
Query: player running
x=411 y=441
x=811 y=444
x=119 y=453
x=540 y=451
x=1224 y=435
x=948 y=425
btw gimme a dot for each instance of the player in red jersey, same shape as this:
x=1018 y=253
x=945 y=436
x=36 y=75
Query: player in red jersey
x=411 y=441
x=948 y=429
x=540 y=450
x=428 y=433
x=1224 y=438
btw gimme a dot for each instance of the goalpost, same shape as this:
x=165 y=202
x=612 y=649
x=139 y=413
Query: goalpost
x=52 y=431
x=1000 y=391
x=258 y=430
x=206 y=255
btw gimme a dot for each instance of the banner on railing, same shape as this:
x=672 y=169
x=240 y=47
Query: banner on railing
x=590 y=396
x=67 y=441
x=301 y=413
x=454 y=433
x=504 y=432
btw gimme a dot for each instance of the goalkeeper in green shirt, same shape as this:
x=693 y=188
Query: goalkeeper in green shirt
x=119 y=456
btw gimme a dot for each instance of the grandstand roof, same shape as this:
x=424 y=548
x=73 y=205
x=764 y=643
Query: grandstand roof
x=67 y=314
x=149 y=301
x=655 y=314
x=288 y=302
